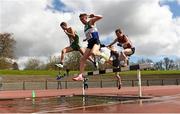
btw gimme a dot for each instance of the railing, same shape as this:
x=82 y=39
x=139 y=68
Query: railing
x=30 y=85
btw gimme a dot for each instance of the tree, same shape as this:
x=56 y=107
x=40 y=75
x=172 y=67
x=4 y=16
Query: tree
x=171 y=65
x=7 y=44
x=149 y=61
x=159 y=65
x=33 y=64
x=5 y=64
x=72 y=60
x=51 y=63
x=177 y=61
x=144 y=61
x=140 y=61
x=166 y=63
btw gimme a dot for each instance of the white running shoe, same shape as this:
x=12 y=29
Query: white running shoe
x=78 y=78
x=59 y=65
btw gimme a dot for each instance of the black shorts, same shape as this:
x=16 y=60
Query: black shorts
x=92 y=42
x=133 y=51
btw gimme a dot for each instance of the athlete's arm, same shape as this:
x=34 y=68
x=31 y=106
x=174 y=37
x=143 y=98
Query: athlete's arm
x=94 y=18
x=112 y=43
x=71 y=33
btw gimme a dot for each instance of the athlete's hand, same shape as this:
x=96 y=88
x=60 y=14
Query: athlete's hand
x=102 y=45
x=108 y=46
x=65 y=31
x=91 y=15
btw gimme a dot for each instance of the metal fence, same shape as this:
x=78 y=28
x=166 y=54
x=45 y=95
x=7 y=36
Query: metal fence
x=39 y=85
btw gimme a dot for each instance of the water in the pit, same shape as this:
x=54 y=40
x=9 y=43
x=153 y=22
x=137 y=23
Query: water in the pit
x=56 y=104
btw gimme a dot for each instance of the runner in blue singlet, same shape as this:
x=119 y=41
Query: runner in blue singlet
x=92 y=38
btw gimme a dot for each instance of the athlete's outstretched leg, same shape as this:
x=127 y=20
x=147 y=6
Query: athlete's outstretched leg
x=95 y=51
x=82 y=51
x=82 y=64
x=63 y=52
x=124 y=56
x=118 y=80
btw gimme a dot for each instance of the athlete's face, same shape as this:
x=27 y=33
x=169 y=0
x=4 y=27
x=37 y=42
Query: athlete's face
x=118 y=34
x=83 y=19
x=64 y=27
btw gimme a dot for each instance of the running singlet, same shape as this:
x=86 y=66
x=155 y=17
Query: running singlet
x=75 y=39
x=123 y=40
x=91 y=32
x=74 y=43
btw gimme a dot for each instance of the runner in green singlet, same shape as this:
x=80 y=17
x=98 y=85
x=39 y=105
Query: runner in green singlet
x=74 y=44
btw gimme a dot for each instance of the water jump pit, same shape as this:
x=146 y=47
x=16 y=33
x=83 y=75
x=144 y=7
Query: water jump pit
x=62 y=104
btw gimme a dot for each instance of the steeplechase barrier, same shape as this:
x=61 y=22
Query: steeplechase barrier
x=137 y=67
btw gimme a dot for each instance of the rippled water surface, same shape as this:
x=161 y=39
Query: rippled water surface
x=56 y=104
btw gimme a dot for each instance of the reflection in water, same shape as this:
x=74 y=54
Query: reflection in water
x=56 y=104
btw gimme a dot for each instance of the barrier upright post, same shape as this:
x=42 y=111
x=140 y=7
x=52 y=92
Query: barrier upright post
x=139 y=82
x=83 y=90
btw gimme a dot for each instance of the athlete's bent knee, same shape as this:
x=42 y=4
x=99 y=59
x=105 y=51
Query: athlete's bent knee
x=63 y=51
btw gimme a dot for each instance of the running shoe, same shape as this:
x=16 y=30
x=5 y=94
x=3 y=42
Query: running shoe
x=78 y=78
x=59 y=65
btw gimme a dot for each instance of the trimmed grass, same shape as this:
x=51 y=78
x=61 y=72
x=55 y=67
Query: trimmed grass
x=54 y=73
x=27 y=72
x=14 y=75
x=33 y=72
x=155 y=72
x=171 y=72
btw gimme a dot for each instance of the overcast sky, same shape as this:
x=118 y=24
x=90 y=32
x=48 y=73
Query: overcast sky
x=152 y=25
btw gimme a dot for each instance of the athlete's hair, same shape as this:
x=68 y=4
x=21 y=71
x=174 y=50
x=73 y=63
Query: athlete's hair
x=118 y=30
x=63 y=24
x=82 y=14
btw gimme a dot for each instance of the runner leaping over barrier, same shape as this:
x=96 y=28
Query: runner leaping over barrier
x=137 y=67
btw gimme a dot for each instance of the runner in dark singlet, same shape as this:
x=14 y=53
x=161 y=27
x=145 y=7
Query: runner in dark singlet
x=126 y=44
x=74 y=43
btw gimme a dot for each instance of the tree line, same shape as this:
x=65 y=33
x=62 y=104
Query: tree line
x=7 y=46
x=165 y=64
